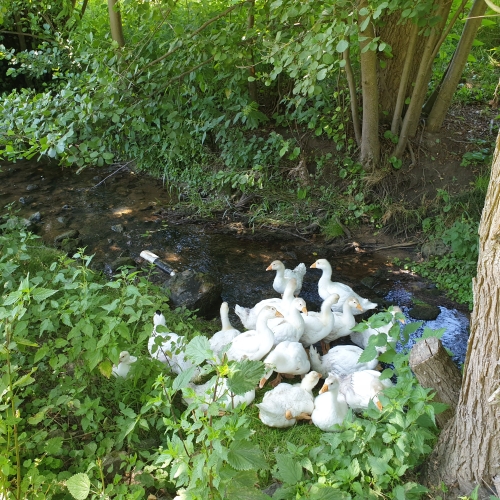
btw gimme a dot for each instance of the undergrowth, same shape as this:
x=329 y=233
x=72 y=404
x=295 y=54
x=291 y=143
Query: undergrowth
x=67 y=425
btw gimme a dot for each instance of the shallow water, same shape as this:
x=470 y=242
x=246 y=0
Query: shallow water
x=119 y=213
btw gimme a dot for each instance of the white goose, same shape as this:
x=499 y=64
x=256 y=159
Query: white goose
x=286 y=403
x=359 y=388
x=204 y=395
x=287 y=358
x=293 y=325
x=343 y=322
x=255 y=344
x=341 y=360
x=319 y=325
x=248 y=315
x=167 y=348
x=283 y=275
x=223 y=337
x=330 y=407
x=326 y=287
x=124 y=365
x=361 y=338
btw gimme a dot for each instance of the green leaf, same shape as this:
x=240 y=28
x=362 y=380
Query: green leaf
x=321 y=74
x=40 y=353
x=243 y=455
x=342 y=46
x=244 y=375
x=288 y=469
x=183 y=379
x=323 y=492
x=79 y=486
x=327 y=58
x=198 y=350
x=53 y=446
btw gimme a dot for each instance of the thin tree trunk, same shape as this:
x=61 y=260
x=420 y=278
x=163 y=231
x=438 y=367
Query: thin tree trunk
x=468 y=450
x=454 y=73
x=400 y=101
x=115 y=23
x=252 y=85
x=351 y=83
x=435 y=40
x=370 y=143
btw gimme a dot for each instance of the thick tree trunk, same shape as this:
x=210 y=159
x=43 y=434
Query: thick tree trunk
x=434 y=368
x=115 y=23
x=468 y=451
x=454 y=73
x=398 y=36
x=370 y=143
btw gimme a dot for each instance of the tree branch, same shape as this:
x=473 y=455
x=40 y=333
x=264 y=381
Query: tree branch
x=194 y=33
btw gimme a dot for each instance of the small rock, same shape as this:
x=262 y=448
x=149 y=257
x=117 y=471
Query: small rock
x=117 y=228
x=424 y=312
x=72 y=234
x=36 y=217
x=122 y=261
x=195 y=291
x=66 y=207
x=25 y=200
x=32 y=187
x=369 y=281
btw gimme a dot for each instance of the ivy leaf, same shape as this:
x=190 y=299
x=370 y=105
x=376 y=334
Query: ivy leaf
x=243 y=455
x=288 y=470
x=244 y=375
x=79 y=486
x=198 y=350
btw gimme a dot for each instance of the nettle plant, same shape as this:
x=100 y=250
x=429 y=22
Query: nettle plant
x=66 y=425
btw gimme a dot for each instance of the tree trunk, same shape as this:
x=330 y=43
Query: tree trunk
x=351 y=83
x=412 y=116
x=434 y=368
x=115 y=23
x=468 y=450
x=398 y=35
x=454 y=73
x=370 y=143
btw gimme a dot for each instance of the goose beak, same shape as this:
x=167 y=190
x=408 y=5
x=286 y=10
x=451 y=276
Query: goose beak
x=279 y=315
x=323 y=389
x=269 y=268
x=313 y=266
x=304 y=310
x=379 y=405
x=359 y=307
x=262 y=382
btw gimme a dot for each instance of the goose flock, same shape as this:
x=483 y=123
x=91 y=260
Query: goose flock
x=284 y=334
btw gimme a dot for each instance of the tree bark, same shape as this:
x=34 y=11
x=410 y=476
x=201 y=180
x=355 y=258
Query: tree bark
x=468 y=450
x=433 y=368
x=351 y=83
x=434 y=40
x=454 y=73
x=115 y=23
x=370 y=143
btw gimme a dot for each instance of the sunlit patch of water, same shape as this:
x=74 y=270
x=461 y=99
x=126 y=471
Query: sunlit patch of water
x=455 y=323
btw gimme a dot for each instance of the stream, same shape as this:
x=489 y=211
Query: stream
x=120 y=213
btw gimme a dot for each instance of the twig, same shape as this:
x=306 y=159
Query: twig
x=110 y=175
x=397 y=245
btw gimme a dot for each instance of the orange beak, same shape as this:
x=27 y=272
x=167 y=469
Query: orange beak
x=262 y=382
x=323 y=389
x=269 y=268
x=313 y=266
